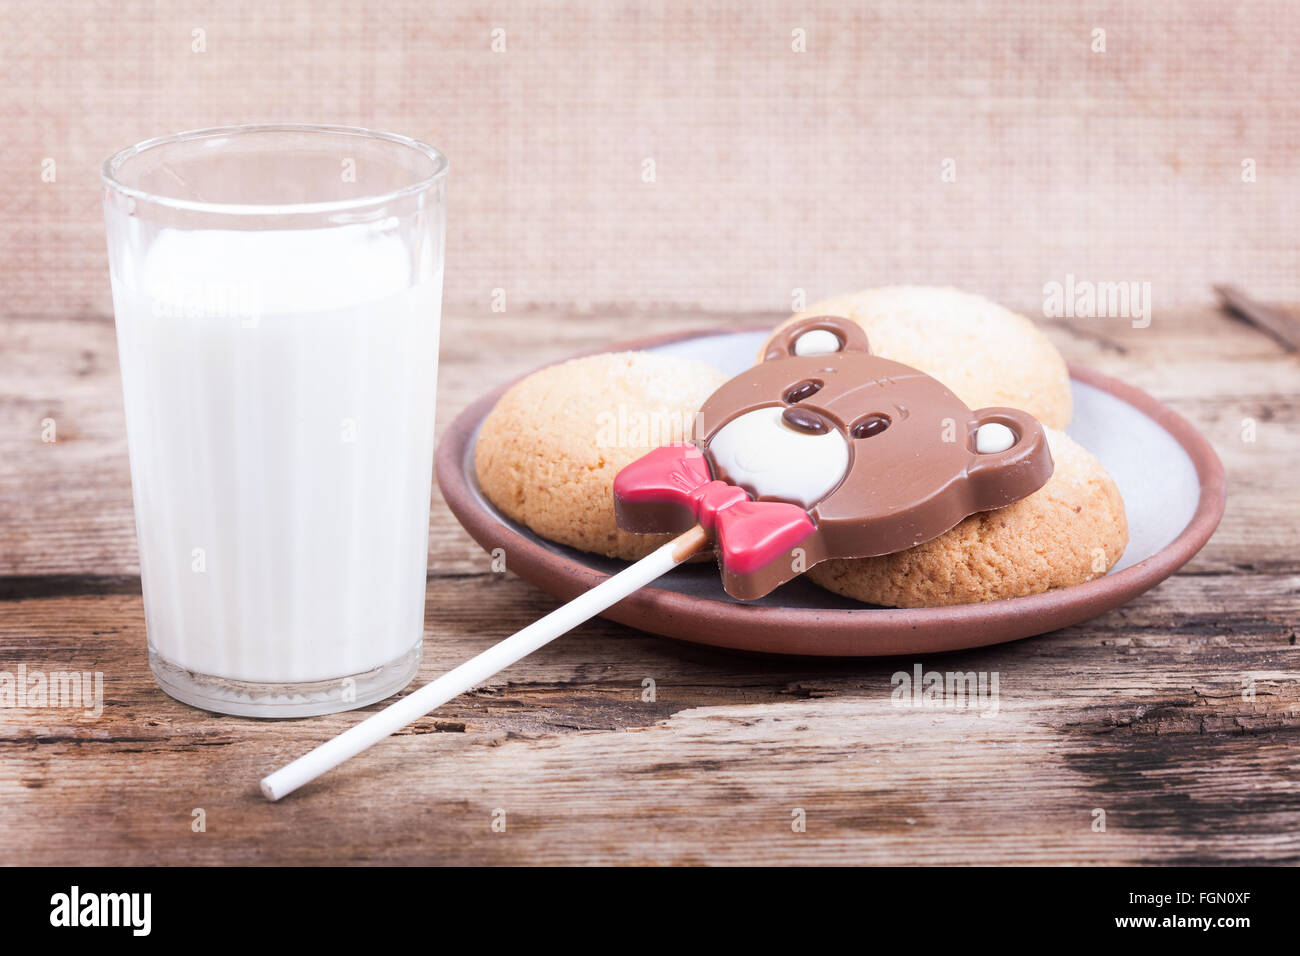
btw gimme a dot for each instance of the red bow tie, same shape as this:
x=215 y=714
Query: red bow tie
x=749 y=535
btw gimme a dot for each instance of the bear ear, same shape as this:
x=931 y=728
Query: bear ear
x=818 y=335
x=1011 y=456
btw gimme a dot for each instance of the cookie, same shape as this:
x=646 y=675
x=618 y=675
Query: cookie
x=986 y=354
x=1071 y=530
x=548 y=451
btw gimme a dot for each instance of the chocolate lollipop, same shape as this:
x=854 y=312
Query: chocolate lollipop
x=822 y=450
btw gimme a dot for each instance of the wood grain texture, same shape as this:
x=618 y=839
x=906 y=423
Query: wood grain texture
x=75 y=497
x=1139 y=713
x=773 y=170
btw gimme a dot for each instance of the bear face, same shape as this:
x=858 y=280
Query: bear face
x=882 y=455
x=824 y=450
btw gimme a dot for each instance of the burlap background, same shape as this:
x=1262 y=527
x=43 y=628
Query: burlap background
x=774 y=170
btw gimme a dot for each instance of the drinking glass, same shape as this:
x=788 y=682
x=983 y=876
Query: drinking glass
x=277 y=293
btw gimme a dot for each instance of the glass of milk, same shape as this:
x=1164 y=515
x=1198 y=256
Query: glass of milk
x=277 y=291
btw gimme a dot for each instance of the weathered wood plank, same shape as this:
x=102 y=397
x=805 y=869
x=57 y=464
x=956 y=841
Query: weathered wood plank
x=69 y=503
x=1139 y=714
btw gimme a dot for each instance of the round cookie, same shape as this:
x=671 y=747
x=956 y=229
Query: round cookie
x=548 y=451
x=986 y=354
x=1071 y=530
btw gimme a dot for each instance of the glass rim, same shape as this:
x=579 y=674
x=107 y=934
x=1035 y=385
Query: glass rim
x=112 y=166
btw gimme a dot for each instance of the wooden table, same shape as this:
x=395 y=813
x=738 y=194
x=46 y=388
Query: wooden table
x=1139 y=714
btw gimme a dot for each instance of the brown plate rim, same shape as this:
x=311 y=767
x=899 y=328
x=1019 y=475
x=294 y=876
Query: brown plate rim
x=833 y=632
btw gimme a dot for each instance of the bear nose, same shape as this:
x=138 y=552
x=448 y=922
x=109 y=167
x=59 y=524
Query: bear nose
x=805 y=420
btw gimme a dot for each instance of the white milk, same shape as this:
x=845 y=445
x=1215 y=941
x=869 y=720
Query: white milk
x=279 y=390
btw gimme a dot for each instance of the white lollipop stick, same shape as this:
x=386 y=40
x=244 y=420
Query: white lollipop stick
x=455 y=682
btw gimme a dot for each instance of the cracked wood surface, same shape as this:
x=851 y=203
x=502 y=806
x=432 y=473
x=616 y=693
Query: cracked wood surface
x=1139 y=714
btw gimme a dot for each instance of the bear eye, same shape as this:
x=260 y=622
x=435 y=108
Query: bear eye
x=803 y=390
x=869 y=425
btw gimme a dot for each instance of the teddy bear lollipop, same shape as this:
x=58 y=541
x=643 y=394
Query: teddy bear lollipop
x=822 y=450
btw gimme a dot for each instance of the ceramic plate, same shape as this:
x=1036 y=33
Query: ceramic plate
x=1170 y=477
